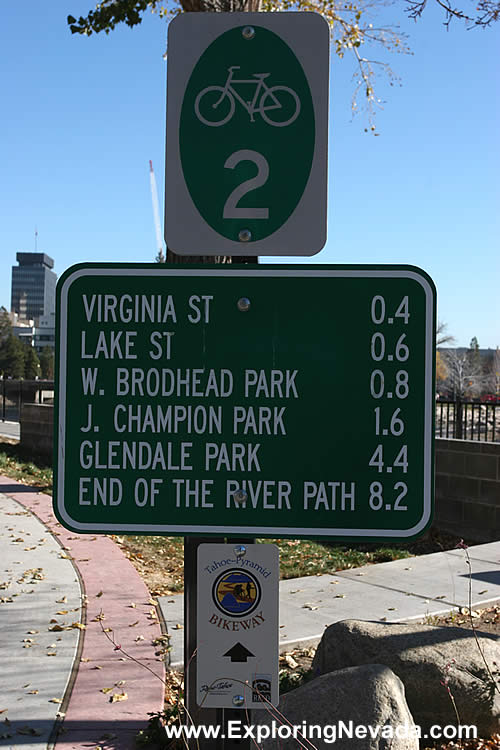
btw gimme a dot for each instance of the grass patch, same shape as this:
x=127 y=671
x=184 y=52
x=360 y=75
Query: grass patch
x=22 y=465
x=305 y=558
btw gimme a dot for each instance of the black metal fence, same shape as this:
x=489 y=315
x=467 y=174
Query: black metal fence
x=15 y=393
x=468 y=420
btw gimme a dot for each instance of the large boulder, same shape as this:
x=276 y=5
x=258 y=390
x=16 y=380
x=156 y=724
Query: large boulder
x=437 y=666
x=366 y=696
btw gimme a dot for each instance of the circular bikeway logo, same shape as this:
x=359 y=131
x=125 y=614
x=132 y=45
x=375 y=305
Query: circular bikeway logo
x=236 y=593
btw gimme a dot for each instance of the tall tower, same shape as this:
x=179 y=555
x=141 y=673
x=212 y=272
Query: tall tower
x=33 y=291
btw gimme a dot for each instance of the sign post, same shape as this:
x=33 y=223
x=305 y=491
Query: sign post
x=247 y=134
x=311 y=417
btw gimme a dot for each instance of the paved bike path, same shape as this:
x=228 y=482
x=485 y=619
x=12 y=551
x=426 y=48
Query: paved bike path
x=90 y=583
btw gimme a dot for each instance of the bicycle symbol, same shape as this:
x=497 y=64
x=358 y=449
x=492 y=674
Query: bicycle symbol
x=277 y=99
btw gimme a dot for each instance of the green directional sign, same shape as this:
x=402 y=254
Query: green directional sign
x=279 y=401
x=247 y=119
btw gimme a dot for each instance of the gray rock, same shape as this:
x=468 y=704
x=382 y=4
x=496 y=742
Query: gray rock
x=434 y=663
x=368 y=695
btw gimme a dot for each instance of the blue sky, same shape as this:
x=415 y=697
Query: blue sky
x=83 y=116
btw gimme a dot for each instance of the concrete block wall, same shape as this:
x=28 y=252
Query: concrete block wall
x=37 y=429
x=468 y=489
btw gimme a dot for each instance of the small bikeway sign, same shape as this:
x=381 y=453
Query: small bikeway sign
x=247 y=133
x=237 y=626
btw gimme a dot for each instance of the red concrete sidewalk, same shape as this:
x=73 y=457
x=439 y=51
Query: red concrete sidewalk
x=114 y=591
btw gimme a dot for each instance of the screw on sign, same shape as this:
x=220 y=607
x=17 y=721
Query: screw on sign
x=247 y=122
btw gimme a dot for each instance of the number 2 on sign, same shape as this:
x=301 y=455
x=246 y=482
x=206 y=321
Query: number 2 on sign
x=231 y=208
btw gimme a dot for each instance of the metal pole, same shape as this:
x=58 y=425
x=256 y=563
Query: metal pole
x=194 y=714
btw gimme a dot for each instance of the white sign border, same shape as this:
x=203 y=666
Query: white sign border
x=188 y=233
x=412 y=273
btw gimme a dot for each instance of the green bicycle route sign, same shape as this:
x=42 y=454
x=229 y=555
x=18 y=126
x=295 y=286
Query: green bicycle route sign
x=247 y=122
x=273 y=401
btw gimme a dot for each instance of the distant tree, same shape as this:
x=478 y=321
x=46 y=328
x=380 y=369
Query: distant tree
x=496 y=372
x=5 y=325
x=31 y=363
x=441 y=371
x=492 y=374
x=474 y=355
x=441 y=336
x=12 y=357
x=47 y=362
x=465 y=378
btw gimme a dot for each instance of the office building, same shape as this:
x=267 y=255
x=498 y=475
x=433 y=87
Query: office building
x=33 y=286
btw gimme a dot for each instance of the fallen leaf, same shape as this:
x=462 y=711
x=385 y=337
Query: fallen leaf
x=62 y=601
x=485 y=591
x=85 y=659
x=178 y=626
x=120 y=683
x=106 y=690
x=133 y=605
x=33 y=692
x=291 y=661
x=51 y=653
x=55 y=700
x=133 y=624
x=116 y=697
x=78 y=625
x=56 y=628
x=62 y=612
x=340 y=596
x=99 y=594
x=139 y=638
